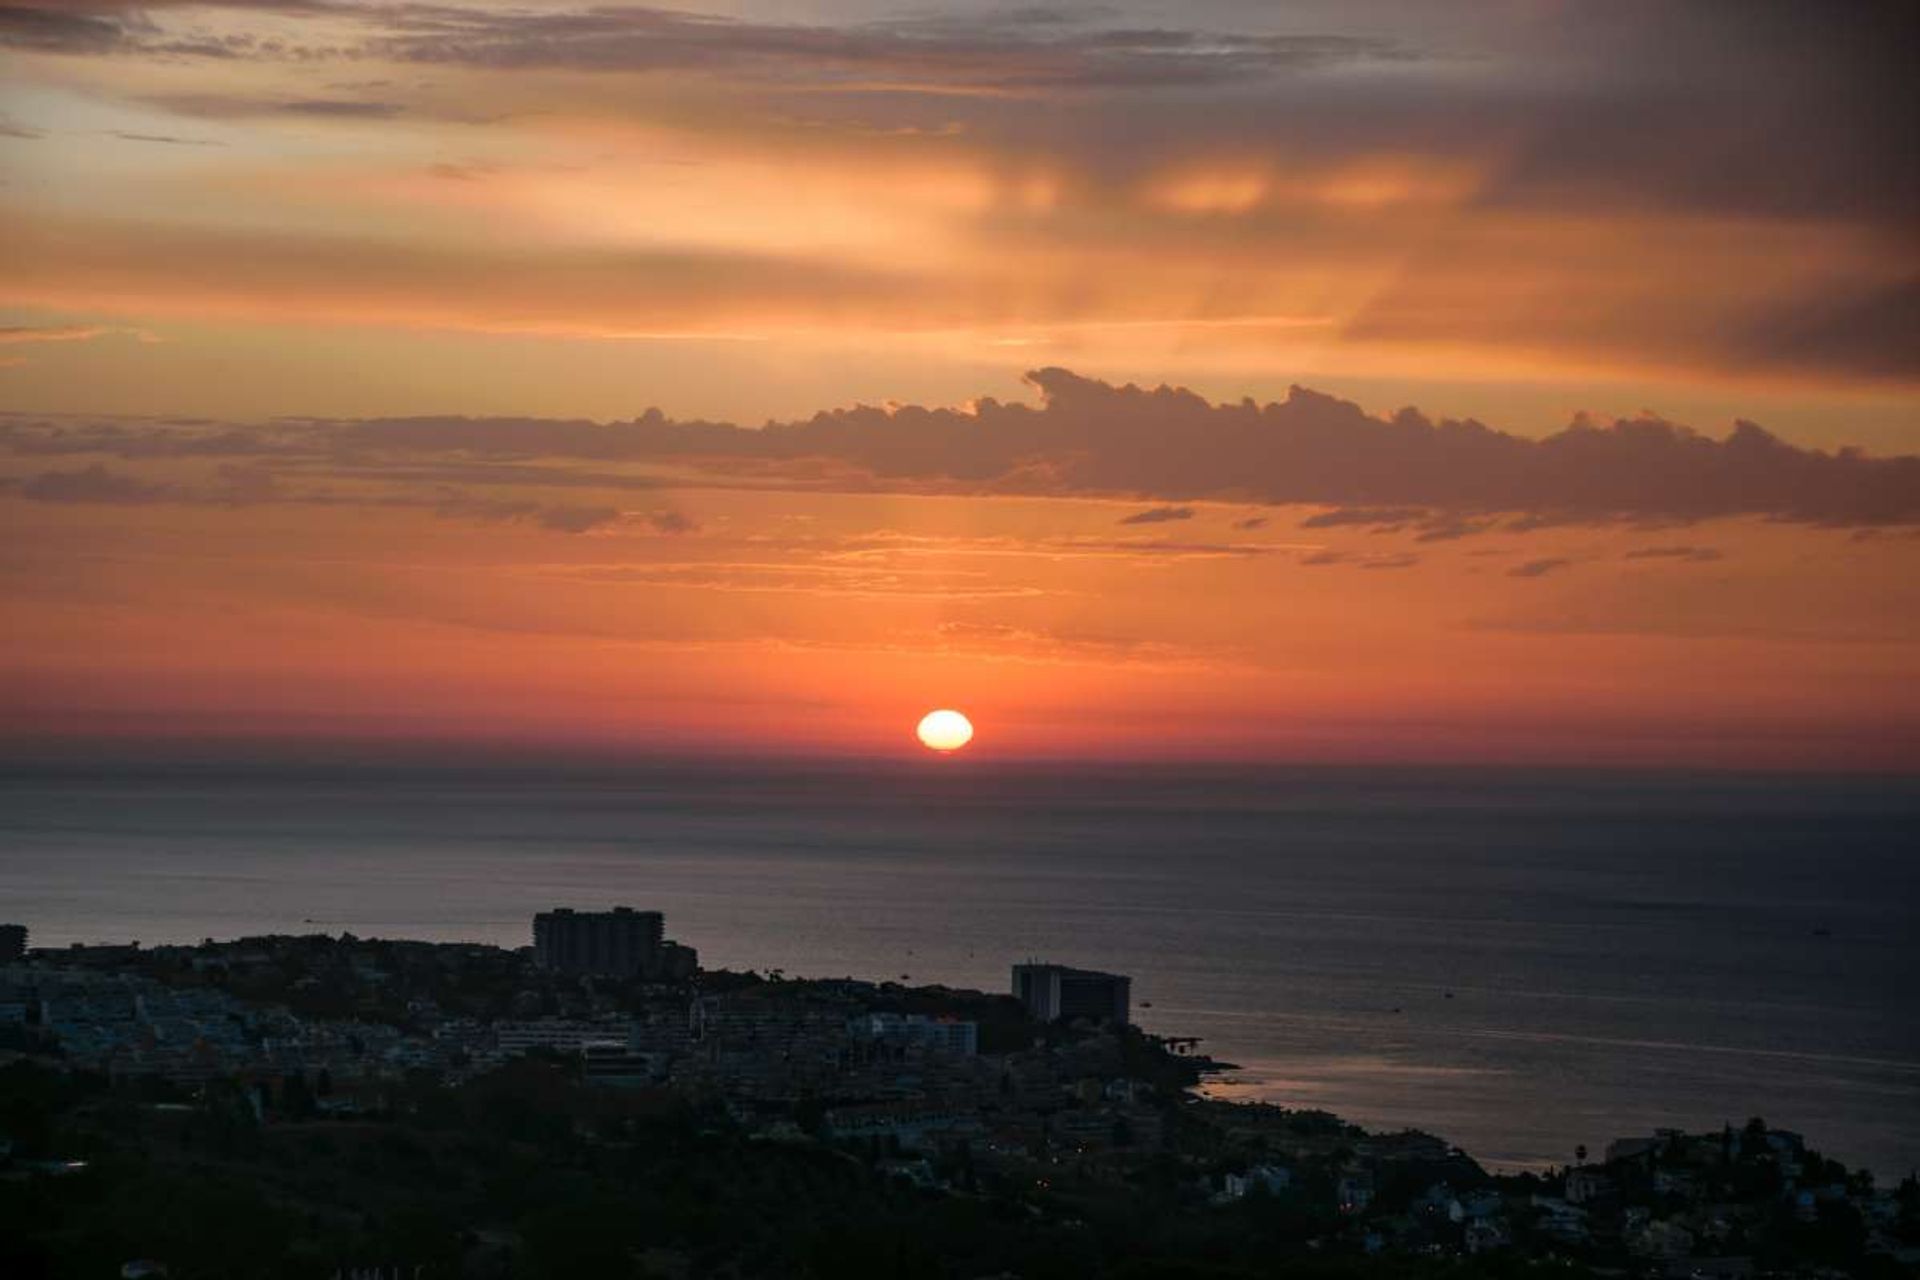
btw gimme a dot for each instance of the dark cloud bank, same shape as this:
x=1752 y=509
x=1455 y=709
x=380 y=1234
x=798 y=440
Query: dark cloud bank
x=1166 y=444
x=1028 y=49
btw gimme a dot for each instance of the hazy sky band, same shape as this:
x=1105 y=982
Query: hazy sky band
x=1645 y=193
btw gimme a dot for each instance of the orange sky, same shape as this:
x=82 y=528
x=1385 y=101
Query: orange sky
x=236 y=238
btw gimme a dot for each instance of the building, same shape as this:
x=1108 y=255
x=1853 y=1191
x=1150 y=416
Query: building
x=1056 y=993
x=1587 y=1185
x=614 y=1063
x=948 y=1035
x=561 y=1035
x=13 y=943
x=621 y=943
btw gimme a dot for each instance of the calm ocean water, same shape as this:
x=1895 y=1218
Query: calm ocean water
x=1519 y=961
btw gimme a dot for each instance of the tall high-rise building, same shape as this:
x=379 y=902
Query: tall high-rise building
x=13 y=942
x=1056 y=993
x=618 y=943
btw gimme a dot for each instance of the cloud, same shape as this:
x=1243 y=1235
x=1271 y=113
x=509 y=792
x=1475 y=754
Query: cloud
x=560 y=518
x=1538 y=568
x=606 y=290
x=883 y=545
x=1446 y=477
x=56 y=31
x=166 y=139
x=1010 y=53
x=1450 y=528
x=1252 y=522
x=243 y=484
x=1030 y=644
x=94 y=484
x=223 y=106
x=977 y=54
x=1696 y=554
x=1391 y=560
x=671 y=521
x=1342 y=516
x=1158 y=515
x=12 y=335
x=1873 y=332
x=93 y=27
x=1724 y=189
x=1804 y=117
x=576 y=519
x=339 y=107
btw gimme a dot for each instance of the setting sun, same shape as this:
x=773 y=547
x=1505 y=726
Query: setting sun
x=945 y=730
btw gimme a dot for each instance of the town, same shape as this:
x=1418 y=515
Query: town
x=598 y=1104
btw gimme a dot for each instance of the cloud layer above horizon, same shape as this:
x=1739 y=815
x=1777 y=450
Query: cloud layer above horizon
x=1084 y=438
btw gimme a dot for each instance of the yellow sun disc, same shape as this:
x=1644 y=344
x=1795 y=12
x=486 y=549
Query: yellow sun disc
x=945 y=730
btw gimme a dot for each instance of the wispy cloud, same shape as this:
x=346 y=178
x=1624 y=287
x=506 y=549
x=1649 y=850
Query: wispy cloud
x=1158 y=515
x=19 y=335
x=1691 y=554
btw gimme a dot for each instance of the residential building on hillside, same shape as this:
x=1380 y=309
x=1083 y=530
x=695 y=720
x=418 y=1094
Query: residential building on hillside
x=1057 y=993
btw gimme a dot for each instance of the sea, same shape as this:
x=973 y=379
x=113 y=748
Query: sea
x=1522 y=961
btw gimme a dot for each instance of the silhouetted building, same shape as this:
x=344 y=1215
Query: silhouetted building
x=13 y=942
x=1056 y=993
x=620 y=942
x=674 y=963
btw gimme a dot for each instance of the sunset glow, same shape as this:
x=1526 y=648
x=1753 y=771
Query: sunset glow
x=618 y=379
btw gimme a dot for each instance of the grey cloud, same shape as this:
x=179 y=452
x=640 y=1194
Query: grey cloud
x=1874 y=333
x=560 y=518
x=1446 y=477
x=1392 y=560
x=1538 y=568
x=340 y=107
x=1450 y=528
x=223 y=106
x=291 y=7
x=242 y=484
x=981 y=51
x=1153 y=548
x=247 y=484
x=1158 y=515
x=1697 y=554
x=94 y=484
x=1342 y=516
x=165 y=139
x=671 y=521
x=139 y=439
x=1252 y=522
x=977 y=53
x=1770 y=109
x=94 y=27
x=1801 y=114
x=41 y=30
x=576 y=519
